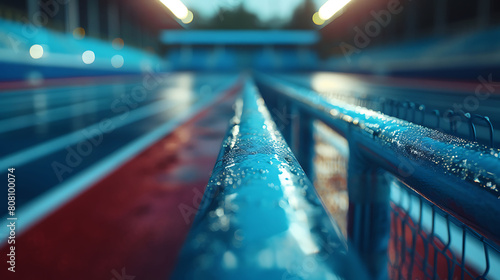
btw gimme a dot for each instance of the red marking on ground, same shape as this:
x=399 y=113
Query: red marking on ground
x=439 y=257
x=70 y=81
x=131 y=219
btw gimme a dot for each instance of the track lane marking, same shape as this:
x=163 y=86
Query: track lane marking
x=29 y=154
x=46 y=203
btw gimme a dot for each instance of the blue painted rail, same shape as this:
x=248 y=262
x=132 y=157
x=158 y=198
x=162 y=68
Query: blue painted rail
x=458 y=176
x=260 y=217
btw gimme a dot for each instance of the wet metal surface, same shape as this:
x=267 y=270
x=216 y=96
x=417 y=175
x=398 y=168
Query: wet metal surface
x=260 y=216
x=461 y=177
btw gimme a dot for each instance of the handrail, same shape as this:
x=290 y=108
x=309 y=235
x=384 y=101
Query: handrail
x=460 y=177
x=260 y=217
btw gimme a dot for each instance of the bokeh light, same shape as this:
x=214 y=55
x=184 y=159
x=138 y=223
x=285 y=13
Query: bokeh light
x=118 y=43
x=36 y=51
x=188 y=18
x=79 y=33
x=117 y=61
x=317 y=20
x=34 y=78
x=88 y=57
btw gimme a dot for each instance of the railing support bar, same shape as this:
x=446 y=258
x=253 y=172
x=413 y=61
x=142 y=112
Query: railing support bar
x=369 y=216
x=305 y=143
x=284 y=119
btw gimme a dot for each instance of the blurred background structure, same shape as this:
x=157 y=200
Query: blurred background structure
x=440 y=39
x=351 y=139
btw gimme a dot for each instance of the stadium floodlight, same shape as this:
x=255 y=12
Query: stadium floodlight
x=330 y=8
x=177 y=8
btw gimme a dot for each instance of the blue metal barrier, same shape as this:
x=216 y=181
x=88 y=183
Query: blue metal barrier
x=260 y=217
x=458 y=176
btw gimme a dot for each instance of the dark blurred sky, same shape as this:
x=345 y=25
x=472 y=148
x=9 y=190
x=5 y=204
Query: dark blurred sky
x=265 y=9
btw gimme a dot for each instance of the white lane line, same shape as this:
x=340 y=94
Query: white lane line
x=56 y=100
x=51 y=115
x=60 y=113
x=52 y=199
x=50 y=146
x=56 y=93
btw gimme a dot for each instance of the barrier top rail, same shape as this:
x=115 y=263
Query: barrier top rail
x=260 y=217
x=460 y=177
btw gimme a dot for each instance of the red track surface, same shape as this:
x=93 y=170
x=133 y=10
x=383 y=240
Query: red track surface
x=129 y=225
x=70 y=81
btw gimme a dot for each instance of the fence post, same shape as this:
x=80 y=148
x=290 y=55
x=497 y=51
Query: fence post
x=368 y=217
x=285 y=120
x=304 y=143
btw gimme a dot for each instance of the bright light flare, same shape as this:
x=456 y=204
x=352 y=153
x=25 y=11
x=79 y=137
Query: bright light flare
x=36 y=51
x=177 y=8
x=330 y=8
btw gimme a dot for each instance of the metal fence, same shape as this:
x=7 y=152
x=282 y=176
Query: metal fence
x=427 y=243
x=459 y=123
x=443 y=224
x=260 y=217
